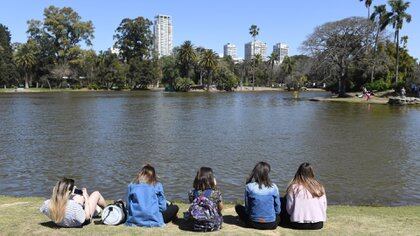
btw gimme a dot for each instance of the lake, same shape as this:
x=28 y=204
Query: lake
x=363 y=154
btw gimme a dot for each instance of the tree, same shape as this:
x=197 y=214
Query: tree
x=61 y=30
x=399 y=16
x=368 y=3
x=111 y=71
x=382 y=19
x=186 y=57
x=272 y=61
x=134 y=39
x=287 y=65
x=339 y=44
x=253 y=31
x=209 y=62
x=25 y=59
x=7 y=69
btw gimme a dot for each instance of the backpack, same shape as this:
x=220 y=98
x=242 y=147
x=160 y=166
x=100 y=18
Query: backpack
x=204 y=213
x=114 y=214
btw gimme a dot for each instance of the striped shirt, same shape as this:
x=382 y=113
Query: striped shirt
x=74 y=216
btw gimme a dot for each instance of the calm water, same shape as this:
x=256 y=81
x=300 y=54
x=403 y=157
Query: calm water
x=364 y=154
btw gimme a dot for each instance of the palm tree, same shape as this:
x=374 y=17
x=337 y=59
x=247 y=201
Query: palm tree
x=382 y=18
x=272 y=61
x=287 y=65
x=399 y=16
x=186 y=58
x=253 y=31
x=25 y=59
x=209 y=61
x=368 y=3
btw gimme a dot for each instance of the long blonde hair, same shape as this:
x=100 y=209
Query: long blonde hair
x=147 y=175
x=59 y=198
x=305 y=177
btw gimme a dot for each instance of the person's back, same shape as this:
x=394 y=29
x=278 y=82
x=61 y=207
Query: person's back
x=304 y=208
x=145 y=202
x=262 y=204
x=74 y=214
x=306 y=201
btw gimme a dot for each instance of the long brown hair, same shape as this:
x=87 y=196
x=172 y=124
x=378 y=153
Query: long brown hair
x=204 y=179
x=59 y=198
x=305 y=177
x=260 y=175
x=147 y=175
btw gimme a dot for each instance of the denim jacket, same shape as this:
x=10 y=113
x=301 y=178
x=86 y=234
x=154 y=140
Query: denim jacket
x=262 y=204
x=145 y=204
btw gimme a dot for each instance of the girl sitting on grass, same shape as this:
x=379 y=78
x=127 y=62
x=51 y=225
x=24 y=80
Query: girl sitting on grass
x=146 y=202
x=262 y=201
x=69 y=207
x=205 y=182
x=306 y=202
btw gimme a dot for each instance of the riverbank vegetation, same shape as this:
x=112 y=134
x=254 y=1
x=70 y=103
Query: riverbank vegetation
x=21 y=216
x=341 y=56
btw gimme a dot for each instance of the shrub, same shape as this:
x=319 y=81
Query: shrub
x=379 y=85
x=93 y=87
x=183 y=84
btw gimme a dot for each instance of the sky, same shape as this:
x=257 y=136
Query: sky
x=210 y=23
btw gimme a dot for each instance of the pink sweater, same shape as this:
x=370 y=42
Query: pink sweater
x=303 y=208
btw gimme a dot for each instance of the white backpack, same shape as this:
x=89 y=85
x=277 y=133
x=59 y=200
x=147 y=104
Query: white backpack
x=114 y=214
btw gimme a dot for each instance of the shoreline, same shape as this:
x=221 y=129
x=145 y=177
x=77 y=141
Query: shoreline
x=21 y=216
x=243 y=89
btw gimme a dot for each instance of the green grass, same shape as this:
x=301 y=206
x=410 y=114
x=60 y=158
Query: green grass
x=20 y=216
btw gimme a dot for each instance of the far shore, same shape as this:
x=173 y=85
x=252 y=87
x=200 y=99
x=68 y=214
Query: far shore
x=238 y=89
x=21 y=216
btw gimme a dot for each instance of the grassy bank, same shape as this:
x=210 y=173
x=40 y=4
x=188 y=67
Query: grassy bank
x=20 y=216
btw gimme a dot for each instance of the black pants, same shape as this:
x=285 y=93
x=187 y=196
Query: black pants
x=307 y=226
x=243 y=216
x=170 y=213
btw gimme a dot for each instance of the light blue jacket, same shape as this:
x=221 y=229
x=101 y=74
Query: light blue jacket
x=262 y=204
x=145 y=204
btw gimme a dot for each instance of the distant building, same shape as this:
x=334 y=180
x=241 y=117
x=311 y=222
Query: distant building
x=162 y=30
x=282 y=49
x=259 y=48
x=230 y=50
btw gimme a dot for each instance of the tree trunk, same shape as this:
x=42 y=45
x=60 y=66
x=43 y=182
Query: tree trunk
x=398 y=57
x=26 y=81
x=375 y=51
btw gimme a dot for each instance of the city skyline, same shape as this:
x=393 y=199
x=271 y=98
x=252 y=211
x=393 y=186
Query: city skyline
x=163 y=35
x=201 y=27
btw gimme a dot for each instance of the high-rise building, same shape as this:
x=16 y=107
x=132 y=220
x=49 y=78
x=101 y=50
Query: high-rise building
x=162 y=29
x=282 y=49
x=230 y=50
x=257 y=48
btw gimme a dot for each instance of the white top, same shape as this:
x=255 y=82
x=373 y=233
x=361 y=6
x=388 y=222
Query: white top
x=303 y=208
x=74 y=216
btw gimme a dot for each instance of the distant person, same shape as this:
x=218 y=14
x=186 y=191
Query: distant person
x=205 y=212
x=146 y=202
x=262 y=200
x=306 y=202
x=403 y=92
x=71 y=207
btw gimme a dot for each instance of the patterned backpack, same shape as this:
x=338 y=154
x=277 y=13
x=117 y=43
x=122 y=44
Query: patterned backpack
x=204 y=213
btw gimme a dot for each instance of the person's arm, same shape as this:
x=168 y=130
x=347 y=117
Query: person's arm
x=191 y=195
x=161 y=197
x=246 y=199
x=290 y=201
x=219 y=201
x=277 y=203
x=87 y=207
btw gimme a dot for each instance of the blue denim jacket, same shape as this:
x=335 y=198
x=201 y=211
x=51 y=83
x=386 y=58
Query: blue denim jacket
x=145 y=204
x=262 y=204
